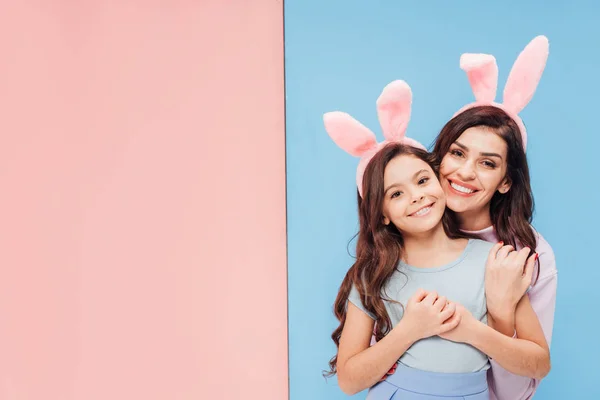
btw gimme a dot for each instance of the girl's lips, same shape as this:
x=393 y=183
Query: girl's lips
x=427 y=206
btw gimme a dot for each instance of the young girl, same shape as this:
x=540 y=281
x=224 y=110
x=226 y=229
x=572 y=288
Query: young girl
x=418 y=280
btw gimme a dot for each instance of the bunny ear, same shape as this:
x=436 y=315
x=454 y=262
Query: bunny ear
x=413 y=143
x=525 y=74
x=393 y=109
x=348 y=133
x=482 y=72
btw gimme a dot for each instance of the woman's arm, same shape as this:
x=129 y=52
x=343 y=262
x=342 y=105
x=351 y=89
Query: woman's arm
x=508 y=274
x=527 y=355
x=508 y=386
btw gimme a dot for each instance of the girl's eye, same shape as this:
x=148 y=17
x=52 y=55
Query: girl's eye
x=423 y=180
x=396 y=194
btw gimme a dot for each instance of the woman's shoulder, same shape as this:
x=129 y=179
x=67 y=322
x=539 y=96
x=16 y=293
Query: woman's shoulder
x=542 y=245
x=546 y=255
x=547 y=261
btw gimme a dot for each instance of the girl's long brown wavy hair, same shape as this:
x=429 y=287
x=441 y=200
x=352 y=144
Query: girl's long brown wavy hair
x=379 y=246
x=511 y=213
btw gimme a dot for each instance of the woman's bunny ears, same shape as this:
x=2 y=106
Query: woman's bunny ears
x=522 y=82
x=393 y=110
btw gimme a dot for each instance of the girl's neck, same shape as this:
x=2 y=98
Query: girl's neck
x=432 y=248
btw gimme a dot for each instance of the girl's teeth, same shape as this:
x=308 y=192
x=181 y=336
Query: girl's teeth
x=460 y=188
x=422 y=211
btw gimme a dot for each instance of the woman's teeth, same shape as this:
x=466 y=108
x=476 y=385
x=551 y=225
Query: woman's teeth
x=460 y=188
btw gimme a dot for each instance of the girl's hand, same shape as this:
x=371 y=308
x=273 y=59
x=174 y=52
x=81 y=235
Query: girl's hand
x=463 y=331
x=427 y=315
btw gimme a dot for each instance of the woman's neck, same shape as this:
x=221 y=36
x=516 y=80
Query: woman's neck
x=430 y=249
x=475 y=220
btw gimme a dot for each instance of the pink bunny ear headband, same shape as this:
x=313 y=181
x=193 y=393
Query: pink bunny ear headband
x=393 y=110
x=523 y=79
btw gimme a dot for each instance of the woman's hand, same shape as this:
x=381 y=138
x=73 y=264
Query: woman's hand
x=507 y=276
x=390 y=372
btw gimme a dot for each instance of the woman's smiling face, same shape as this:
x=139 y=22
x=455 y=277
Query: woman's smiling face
x=473 y=170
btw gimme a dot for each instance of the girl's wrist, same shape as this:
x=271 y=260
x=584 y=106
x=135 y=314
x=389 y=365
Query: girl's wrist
x=405 y=332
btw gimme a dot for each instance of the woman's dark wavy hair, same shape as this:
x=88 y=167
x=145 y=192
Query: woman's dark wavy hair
x=511 y=213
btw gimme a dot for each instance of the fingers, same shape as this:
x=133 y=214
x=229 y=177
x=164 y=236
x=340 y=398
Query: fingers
x=418 y=296
x=448 y=312
x=521 y=256
x=430 y=298
x=494 y=251
x=451 y=323
x=529 y=267
x=390 y=372
x=440 y=303
x=503 y=252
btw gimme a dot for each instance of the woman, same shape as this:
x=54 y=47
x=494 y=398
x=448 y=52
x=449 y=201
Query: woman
x=485 y=176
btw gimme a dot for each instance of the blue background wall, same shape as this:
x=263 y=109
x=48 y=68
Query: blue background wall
x=340 y=55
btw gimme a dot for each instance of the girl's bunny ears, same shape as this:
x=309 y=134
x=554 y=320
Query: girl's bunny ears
x=522 y=82
x=393 y=110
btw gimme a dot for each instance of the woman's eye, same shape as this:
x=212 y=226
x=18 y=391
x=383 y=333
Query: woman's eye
x=489 y=164
x=456 y=152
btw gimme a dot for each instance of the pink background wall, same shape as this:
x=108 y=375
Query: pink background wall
x=142 y=173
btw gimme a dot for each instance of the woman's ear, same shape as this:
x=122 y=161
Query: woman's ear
x=505 y=186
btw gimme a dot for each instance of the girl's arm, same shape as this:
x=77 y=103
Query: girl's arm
x=360 y=366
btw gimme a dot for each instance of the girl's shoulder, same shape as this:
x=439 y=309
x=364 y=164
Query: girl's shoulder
x=481 y=245
x=477 y=251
